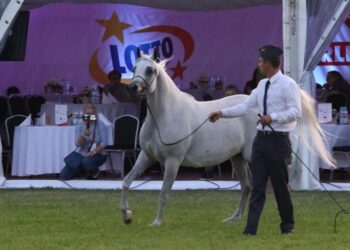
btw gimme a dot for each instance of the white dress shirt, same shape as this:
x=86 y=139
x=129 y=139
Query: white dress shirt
x=283 y=103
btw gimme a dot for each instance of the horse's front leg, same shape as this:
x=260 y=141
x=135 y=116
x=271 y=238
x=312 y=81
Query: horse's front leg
x=142 y=163
x=171 y=168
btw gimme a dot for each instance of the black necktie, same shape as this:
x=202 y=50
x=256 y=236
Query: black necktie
x=265 y=98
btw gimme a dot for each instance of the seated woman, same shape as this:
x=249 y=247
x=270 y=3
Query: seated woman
x=90 y=139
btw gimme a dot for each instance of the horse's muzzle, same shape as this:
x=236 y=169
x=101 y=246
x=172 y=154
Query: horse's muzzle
x=132 y=88
x=135 y=88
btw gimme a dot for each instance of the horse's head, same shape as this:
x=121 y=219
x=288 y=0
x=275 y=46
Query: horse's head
x=144 y=80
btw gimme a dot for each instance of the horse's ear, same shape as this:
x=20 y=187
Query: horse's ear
x=156 y=56
x=138 y=52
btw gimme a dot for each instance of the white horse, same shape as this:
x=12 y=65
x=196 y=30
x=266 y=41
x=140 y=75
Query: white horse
x=174 y=115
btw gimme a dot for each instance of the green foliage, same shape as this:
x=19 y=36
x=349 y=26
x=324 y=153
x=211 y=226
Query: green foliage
x=82 y=219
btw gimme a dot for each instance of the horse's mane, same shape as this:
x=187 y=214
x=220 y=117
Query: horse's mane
x=160 y=65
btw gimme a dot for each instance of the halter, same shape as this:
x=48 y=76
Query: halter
x=148 y=85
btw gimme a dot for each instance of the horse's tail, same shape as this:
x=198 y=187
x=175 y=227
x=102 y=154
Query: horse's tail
x=308 y=127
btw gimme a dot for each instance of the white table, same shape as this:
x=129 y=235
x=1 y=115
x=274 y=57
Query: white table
x=111 y=111
x=336 y=135
x=41 y=149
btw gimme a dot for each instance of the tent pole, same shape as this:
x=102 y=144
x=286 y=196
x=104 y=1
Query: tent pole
x=294 y=34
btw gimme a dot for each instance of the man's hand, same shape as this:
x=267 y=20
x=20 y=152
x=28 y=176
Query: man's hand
x=81 y=141
x=86 y=132
x=91 y=153
x=265 y=120
x=214 y=116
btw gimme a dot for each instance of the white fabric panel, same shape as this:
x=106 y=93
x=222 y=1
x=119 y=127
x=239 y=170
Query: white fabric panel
x=325 y=18
x=179 y=5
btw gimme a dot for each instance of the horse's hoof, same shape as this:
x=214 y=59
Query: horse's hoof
x=128 y=221
x=127 y=217
x=231 y=219
x=155 y=223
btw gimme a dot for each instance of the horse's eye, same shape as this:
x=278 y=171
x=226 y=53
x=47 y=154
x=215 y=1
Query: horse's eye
x=149 y=71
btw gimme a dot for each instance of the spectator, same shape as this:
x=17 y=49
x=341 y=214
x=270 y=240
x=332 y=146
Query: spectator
x=115 y=87
x=90 y=139
x=251 y=84
x=231 y=90
x=337 y=90
x=12 y=90
x=192 y=85
x=219 y=85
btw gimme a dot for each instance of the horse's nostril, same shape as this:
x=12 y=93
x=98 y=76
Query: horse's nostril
x=132 y=87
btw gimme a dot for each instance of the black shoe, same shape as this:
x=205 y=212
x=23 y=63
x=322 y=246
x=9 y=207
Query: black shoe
x=287 y=228
x=287 y=231
x=94 y=176
x=246 y=233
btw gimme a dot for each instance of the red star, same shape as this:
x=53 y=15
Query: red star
x=178 y=71
x=114 y=27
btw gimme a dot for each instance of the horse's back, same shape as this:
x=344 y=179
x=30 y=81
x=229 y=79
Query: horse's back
x=219 y=141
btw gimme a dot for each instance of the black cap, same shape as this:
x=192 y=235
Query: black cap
x=270 y=52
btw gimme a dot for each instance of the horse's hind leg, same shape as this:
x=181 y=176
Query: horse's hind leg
x=142 y=163
x=241 y=169
x=171 y=168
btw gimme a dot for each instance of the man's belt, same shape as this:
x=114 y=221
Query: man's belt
x=268 y=132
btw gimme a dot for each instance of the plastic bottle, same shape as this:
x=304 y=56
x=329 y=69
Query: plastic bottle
x=343 y=115
x=95 y=97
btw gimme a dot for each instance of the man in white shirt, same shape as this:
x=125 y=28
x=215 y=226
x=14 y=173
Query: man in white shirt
x=278 y=100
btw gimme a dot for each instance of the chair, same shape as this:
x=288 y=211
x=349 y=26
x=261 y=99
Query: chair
x=10 y=124
x=126 y=129
x=342 y=156
x=4 y=111
x=17 y=105
x=33 y=105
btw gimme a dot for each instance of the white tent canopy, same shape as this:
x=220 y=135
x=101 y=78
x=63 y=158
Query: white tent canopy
x=179 y=5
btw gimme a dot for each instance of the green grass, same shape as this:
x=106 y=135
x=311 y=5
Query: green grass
x=81 y=219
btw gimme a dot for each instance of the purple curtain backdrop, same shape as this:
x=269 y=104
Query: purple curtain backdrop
x=62 y=39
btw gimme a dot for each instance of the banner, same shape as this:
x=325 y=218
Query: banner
x=337 y=56
x=82 y=43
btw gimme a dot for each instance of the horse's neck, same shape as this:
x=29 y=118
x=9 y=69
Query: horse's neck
x=166 y=96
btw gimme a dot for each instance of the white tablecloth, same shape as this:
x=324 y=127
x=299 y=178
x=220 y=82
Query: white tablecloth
x=337 y=135
x=111 y=111
x=41 y=150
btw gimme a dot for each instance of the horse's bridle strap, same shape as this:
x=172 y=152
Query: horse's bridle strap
x=148 y=85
